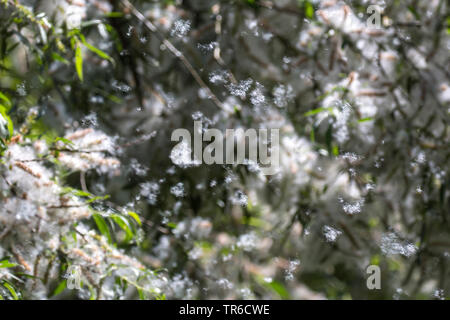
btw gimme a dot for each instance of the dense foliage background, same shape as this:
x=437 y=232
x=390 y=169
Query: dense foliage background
x=90 y=92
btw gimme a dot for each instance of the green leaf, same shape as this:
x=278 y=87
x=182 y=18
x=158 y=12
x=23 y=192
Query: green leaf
x=135 y=216
x=124 y=225
x=10 y=125
x=97 y=198
x=258 y=223
x=60 y=288
x=172 y=225
x=76 y=192
x=6 y=101
x=279 y=288
x=99 y=52
x=316 y=111
x=6 y=264
x=114 y=14
x=309 y=10
x=15 y=295
x=251 y=2
x=79 y=61
x=96 y=50
x=312 y=135
x=414 y=12
x=335 y=150
x=102 y=226
x=66 y=141
x=141 y=294
x=375 y=260
x=80 y=193
x=114 y=99
x=275 y=286
x=59 y=58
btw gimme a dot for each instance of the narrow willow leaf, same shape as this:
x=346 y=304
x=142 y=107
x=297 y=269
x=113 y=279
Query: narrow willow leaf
x=335 y=150
x=316 y=111
x=7 y=264
x=64 y=140
x=10 y=125
x=124 y=225
x=96 y=50
x=102 y=226
x=12 y=291
x=312 y=135
x=6 y=101
x=279 y=289
x=59 y=58
x=141 y=294
x=274 y=286
x=79 y=61
x=309 y=10
x=114 y=14
x=135 y=216
x=60 y=288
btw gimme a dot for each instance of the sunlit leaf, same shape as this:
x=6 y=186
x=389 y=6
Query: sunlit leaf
x=7 y=264
x=6 y=101
x=317 y=111
x=79 y=62
x=124 y=225
x=102 y=226
x=60 y=288
x=135 y=216
x=14 y=294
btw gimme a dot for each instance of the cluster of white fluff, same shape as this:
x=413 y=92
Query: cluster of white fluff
x=87 y=151
x=40 y=220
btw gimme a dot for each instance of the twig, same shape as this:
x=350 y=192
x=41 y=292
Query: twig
x=83 y=182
